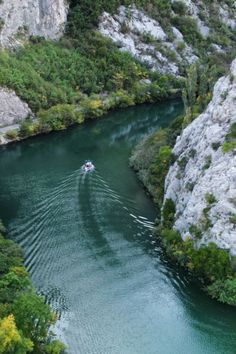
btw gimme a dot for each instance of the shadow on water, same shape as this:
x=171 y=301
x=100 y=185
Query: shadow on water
x=89 y=245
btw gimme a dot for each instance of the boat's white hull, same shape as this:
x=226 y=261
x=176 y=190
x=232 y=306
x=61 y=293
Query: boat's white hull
x=88 y=169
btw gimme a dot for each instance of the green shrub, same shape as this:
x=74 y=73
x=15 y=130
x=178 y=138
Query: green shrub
x=208 y=161
x=192 y=153
x=123 y=99
x=210 y=198
x=224 y=291
x=206 y=221
x=232 y=133
x=190 y=186
x=229 y=146
x=215 y=146
x=2 y=23
x=92 y=107
x=59 y=117
x=182 y=163
x=233 y=262
x=147 y=38
x=181 y=46
x=11 y=134
x=171 y=236
x=230 y=140
x=210 y=263
x=158 y=171
x=196 y=231
x=188 y=27
x=179 y=7
x=55 y=347
x=28 y=128
x=168 y=214
x=145 y=152
x=233 y=219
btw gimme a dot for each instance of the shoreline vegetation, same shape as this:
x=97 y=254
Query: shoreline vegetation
x=65 y=85
x=213 y=267
x=63 y=116
x=84 y=75
x=25 y=318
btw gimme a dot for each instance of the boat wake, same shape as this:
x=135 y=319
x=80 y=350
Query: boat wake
x=82 y=217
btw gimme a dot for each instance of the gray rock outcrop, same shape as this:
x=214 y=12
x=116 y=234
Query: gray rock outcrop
x=164 y=48
x=22 y=18
x=12 y=108
x=133 y=31
x=203 y=171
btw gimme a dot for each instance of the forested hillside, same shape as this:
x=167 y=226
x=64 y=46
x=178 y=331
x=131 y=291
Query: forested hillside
x=85 y=73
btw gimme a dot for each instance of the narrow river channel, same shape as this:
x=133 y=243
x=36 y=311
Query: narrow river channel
x=89 y=247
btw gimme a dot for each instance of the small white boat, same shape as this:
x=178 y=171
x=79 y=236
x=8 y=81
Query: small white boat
x=88 y=166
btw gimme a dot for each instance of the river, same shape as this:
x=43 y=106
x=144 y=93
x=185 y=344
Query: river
x=89 y=246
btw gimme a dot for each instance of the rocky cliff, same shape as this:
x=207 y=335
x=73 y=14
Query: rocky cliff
x=202 y=181
x=133 y=31
x=22 y=18
x=168 y=42
x=12 y=109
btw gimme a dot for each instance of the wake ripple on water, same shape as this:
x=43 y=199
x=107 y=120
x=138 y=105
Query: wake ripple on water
x=71 y=218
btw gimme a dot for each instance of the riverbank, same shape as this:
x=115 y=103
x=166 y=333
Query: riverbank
x=62 y=116
x=209 y=264
x=206 y=255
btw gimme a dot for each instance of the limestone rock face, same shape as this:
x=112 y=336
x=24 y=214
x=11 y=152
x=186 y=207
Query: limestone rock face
x=21 y=18
x=164 y=49
x=202 y=168
x=12 y=109
x=133 y=31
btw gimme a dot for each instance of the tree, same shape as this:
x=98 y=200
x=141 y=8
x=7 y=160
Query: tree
x=33 y=317
x=12 y=283
x=11 y=340
x=190 y=90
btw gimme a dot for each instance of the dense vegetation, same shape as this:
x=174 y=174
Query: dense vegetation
x=24 y=317
x=69 y=84
x=211 y=265
x=90 y=73
x=153 y=156
x=48 y=73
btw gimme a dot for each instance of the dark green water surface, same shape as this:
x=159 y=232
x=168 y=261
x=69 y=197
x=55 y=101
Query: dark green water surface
x=89 y=247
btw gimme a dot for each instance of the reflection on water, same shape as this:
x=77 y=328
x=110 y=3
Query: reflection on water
x=89 y=246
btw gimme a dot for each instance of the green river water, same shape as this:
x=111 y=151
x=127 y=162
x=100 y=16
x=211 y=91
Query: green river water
x=89 y=247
